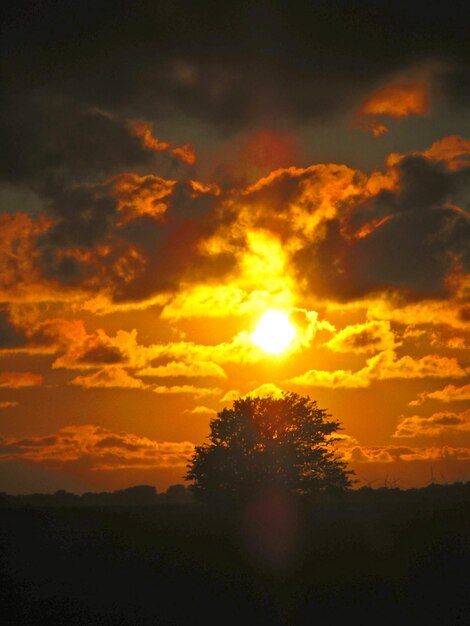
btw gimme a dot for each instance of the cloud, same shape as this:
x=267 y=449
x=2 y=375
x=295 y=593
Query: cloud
x=453 y=150
x=438 y=424
x=198 y=301
x=8 y=404
x=140 y=196
x=450 y=393
x=398 y=100
x=383 y=366
x=230 y=396
x=242 y=84
x=266 y=389
x=15 y=380
x=81 y=350
x=394 y=454
x=413 y=250
x=327 y=231
x=20 y=278
x=372 y=336
x=110 y=377
x=185 y=153
x=451 y=312
x=323 y=378
x=97 y=449
x=186 y=389
x=195 y=369
x=200 y=410
x=395 y=101
x=358 y=454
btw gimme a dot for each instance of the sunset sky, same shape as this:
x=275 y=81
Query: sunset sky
x=171 y=171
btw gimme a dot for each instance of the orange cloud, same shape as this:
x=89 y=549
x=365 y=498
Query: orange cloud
x=383 y=366
x=143 y=130
x=14 y=380
x=438 y=424
x=111 y=377
x=364 y=338
x=8 y=404
x=200 y=410
x=184 y=153
x=195 y=369
x=20 y=275
x=266 y=389
x=427 y=312
x=450 y=393
x=189 y=389
x=373 y=126
x=450 y=149
x=142 y=195
x=98 y=449
x=80 y=350
x=454 y=151
x=393 y=454
x=398 y=100
x=395 y=101
x=358 y=454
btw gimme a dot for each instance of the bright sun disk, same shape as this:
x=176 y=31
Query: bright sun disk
x=274 y=333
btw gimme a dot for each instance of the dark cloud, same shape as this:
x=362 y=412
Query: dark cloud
x=77 y=78
x=413 y=252
x=229 y=65
x=10 y=337
x=102 y=354
x=50 y=140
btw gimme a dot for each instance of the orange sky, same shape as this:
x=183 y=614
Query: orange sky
x=140 y=246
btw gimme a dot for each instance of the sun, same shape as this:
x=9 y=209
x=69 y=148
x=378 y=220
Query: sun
x=274 y=333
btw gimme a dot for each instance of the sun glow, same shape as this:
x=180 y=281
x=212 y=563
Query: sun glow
x=274 y=333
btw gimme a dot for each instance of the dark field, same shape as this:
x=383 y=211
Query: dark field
x=388 y=556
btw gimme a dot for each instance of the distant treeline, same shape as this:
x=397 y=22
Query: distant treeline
x=146 y=495
x=140 y=495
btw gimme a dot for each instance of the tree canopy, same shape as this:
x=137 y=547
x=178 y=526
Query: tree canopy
x=268 y=441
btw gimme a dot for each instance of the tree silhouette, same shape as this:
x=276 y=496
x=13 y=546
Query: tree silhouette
x=268 y=441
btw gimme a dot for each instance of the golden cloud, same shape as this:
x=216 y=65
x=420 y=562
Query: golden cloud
x=197 y=369
x=268 y=245
x=267 y=389
x=437 y=424
x=372 y=336
x=110 y=377
x=450 y=393
x=427 y=312
x=383 y=366
x=201 y=410
x=8 y=404
x=197 y=392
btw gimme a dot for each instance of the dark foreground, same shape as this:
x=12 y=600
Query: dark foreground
x=378 y=556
